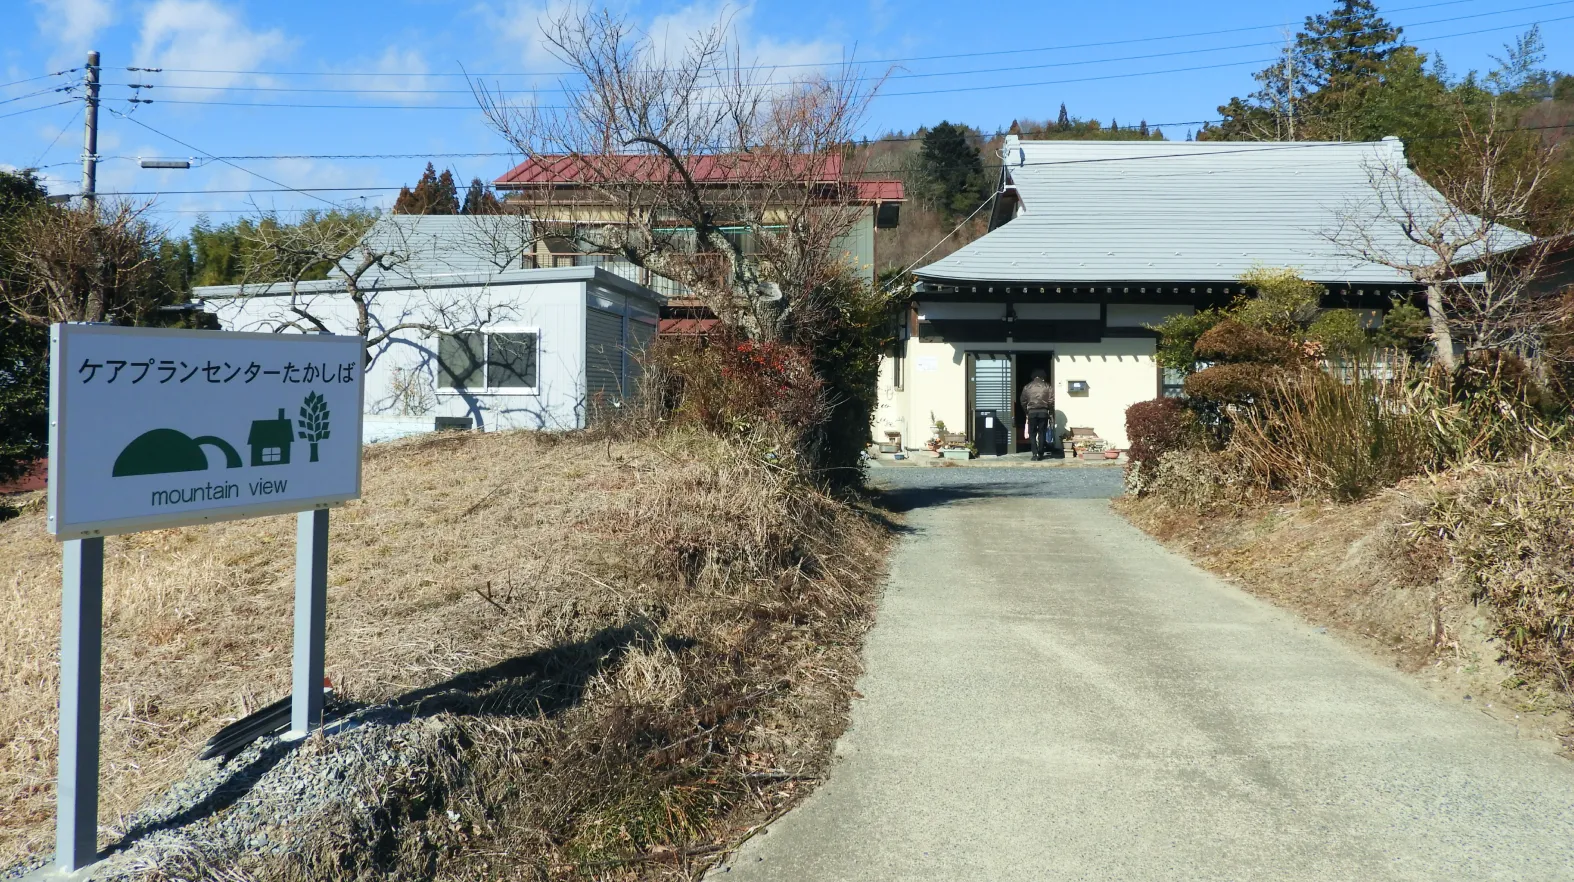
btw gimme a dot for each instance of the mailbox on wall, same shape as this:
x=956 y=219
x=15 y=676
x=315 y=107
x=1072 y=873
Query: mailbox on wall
x=1077 y=387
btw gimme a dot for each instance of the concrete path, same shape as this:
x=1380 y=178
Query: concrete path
x=1051 y=695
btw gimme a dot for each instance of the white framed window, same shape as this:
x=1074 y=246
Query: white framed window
x=496 y=360
x=272 y=454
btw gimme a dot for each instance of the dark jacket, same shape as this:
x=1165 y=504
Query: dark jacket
x=1038 y=395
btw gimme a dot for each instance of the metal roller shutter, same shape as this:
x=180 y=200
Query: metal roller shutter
x=992 y=392
x=603 y=356
x=640 y=336
x=992 y=383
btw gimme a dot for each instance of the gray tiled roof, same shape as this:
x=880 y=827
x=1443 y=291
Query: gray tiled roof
x=435 y=245
x=1191 y=211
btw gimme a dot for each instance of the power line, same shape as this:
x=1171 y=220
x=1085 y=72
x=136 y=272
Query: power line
x=878 y=96
x=492 y=155
x=39 y=92
x=40 y=107
x=1257 y=148
x=248 y=171
x=995 y=52
x=52 y=144
x=472 y=107
x=930 y=75
x=282 y=188
x=58 y=73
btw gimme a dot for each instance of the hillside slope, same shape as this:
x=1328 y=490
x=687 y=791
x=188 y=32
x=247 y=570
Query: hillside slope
x=559 y=656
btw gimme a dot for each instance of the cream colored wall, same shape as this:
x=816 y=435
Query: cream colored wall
x=1119 y=372
x=890 y=410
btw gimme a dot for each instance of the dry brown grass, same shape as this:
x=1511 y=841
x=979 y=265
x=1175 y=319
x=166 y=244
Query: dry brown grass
x=1357 y=569
x=747 y=594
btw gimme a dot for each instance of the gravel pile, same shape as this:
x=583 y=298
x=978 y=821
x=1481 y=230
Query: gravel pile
x=281 y=809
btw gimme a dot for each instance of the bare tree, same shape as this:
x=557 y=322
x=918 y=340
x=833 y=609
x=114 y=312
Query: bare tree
x=696 y=166
x=88 y=263
x=1462 y=235
x=327 y=260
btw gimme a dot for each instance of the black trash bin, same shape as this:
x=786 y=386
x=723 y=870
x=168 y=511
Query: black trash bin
x=991 y=433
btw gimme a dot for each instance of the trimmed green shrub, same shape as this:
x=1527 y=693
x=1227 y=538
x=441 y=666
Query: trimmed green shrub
x=1233 y=384
x=1230 y=342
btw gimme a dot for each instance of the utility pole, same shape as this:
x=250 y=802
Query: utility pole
x=1289 y=80
x=90 y=136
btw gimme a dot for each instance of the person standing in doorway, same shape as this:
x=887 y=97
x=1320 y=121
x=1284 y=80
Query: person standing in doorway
x=1038 y=400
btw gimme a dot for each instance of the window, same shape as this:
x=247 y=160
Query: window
x=487 y=361
x=272 y=454
x=1172 y=383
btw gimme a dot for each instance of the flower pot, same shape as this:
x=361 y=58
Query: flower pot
x=954 y=453
x=1091 y=456
x=1112 y=454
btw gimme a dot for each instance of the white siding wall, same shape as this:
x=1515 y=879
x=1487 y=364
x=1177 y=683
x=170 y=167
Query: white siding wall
x=401 y=391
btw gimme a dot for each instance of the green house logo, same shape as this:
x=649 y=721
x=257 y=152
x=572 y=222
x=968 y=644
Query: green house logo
x=166 y=451
x=270 y=441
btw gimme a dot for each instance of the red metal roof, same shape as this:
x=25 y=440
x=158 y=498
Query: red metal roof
x=707 y=170
x=687 y=326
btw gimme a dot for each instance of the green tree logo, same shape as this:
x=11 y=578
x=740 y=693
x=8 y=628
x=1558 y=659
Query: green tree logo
x=314 y=421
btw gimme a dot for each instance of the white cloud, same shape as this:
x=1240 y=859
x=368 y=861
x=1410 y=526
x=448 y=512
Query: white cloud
x=73 y=24
x=517 y=25
x=204 y=35
x=403 y=74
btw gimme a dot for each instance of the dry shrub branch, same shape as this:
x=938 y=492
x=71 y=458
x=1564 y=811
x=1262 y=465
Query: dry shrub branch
x=1504 y=531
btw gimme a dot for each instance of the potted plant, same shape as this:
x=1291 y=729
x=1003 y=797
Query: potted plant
x=1093 y=449
x=937 y=441
x=1112 y=453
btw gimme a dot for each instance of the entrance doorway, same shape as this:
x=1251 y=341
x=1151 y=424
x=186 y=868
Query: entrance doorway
x=996 y=423
x=1027 y=363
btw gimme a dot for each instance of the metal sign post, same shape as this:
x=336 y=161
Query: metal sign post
x=81 y=649
x=146 y=428
x=311 y=614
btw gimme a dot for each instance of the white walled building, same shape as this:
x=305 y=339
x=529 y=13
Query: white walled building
x=1091 y=242
x=490 y=347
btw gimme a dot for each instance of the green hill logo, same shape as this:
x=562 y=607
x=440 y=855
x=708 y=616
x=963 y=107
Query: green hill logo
x=167 y=451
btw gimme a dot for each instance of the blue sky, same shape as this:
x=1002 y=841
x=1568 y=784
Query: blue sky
x=1035 y=56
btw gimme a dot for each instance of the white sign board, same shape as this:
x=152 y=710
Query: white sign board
x=928 y=363
x=153 y=428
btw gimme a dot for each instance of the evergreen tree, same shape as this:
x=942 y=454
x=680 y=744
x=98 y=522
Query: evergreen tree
x=1063 y=122
x=433 y=194
x=1321 y=84
x=218 y=252
x=1142 y=128
x=479 y=200
x=1347 y=47
x=24 y=349
x=1114 y=125
x=950 y=170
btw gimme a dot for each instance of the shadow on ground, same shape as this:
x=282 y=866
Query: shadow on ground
x=541 y=684
x=908 y=489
